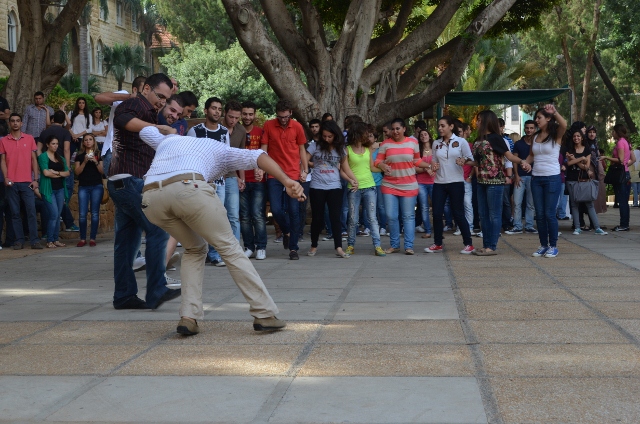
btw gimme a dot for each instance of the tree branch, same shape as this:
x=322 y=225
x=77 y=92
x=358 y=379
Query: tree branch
x=464 y=49
x=413 y=45
x=269 y=59
x=315 y=38
x=6 y=57
x=286 y=32
x=67 y=19
x=412 y=77
x=384 y=43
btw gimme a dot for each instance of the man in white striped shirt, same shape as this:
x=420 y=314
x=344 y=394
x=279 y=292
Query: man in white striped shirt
x=178 y=198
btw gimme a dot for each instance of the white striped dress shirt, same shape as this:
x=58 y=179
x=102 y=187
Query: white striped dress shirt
x=177 y=155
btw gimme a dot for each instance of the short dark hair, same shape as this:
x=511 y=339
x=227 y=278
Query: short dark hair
x=156 y=79
x=211 y=100
x=59 y=117
x=314 y=121
x=283 y=105
x=249 y=105
x=176 y=98
x=326 y=116
x=38 y=93
x=501 y=122
x=15 y=114
x=420 y=124
x=233 y=105
x=350 y=119
x=530 y=122
x=138 y=83
x=189 y=98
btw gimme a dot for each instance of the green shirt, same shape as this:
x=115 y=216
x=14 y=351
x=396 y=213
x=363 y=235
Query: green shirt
x=360 y=166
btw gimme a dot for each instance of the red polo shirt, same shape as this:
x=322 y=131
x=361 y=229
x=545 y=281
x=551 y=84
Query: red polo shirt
x=254 y=138
x=284 y=145
x=18 y=156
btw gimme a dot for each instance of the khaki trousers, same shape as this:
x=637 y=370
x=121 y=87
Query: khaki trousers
x=193 y=214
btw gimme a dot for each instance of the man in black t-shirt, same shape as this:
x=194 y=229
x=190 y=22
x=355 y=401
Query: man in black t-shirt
x=5 y=111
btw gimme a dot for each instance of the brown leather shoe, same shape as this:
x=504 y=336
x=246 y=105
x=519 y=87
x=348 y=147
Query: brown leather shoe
x=266 y=324
x=188 y=327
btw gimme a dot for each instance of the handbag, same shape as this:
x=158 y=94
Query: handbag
x=585 y=189
x=615 y=174
x=105 y=193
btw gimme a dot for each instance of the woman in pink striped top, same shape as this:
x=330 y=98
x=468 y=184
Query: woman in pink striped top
x=397 y=157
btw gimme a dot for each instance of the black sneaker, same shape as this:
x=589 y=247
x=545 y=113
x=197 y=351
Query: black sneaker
x=619 y=228
x=133 y=302
x=169 y=295
x=285 y=241
x=293 y=255
x=514 y=231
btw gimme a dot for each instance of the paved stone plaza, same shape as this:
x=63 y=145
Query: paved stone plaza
x=428 y=338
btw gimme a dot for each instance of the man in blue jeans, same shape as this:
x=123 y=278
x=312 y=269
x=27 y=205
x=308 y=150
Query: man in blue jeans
x=130 y=162
x=284 y=139
x=235 y=181
x=522 y=185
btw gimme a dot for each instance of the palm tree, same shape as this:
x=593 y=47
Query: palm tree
x=120 y=58
x=71 y=83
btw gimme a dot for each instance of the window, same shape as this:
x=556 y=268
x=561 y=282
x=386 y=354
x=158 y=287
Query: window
x=99 y=58
x=91 y=59
x=119 y=12
x=134 y=21
x=515 y=114
x=103 y=16
x=12 y=32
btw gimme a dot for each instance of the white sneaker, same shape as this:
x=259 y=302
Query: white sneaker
x=420 y=229
x=447 y=228
x=479 y=234
x=179 y=244
x=366 y=232
x=261 y=254
x=173 y=260
x=248 y=253
x=457 y=233
x=143 y=240
x=172 y=283
x=139 y=263
x=383 y=232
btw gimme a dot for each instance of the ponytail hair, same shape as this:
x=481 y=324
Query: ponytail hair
x=552 y=126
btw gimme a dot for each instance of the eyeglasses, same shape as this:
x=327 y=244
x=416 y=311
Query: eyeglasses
x=284 y=118
x=159 y=96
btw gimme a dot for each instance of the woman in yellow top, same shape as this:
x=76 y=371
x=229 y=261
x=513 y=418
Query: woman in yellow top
x=361 y=164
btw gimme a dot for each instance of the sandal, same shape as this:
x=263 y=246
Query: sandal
x=409 y=252
x=427 y=235
x=51 y=245
x=343 y=255
x=59 y=244
x=312 y=252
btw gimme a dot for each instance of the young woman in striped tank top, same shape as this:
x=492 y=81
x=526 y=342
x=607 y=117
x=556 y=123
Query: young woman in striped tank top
x=397 y=158
x=361 y=164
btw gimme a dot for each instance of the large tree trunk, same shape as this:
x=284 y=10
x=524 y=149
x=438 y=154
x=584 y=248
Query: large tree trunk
x=570 y=75
x=614 y=93
x=589 y=67
x=337 y=80
x=35 y=66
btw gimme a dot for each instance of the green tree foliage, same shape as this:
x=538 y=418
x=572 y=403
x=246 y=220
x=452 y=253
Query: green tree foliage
x=120 y=58
x=227 y=74
x=72 y=84
x=622 y=20
x=197 y=21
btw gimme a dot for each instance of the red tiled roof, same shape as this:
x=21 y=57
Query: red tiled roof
x=164 y=40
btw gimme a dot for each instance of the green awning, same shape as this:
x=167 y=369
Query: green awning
x=502 y=97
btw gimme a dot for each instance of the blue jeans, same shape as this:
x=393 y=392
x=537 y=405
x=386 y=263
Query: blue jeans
x=490 y=203
x=393 y=205
x=546 y=191
x=425 y=193
x=561 y=210
x=15 y=193
x=635 y=187
x=455 y=193
x=54 y=210
x=106 y=162
x=213 y=254
x=622 y=194
x=253 y=224
x=130 y=222
x=88 y=194
x=382 y=216
x=518 y=197
x=232 y=204
x=368 y=197
x=506 y=207
x=283 y=206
